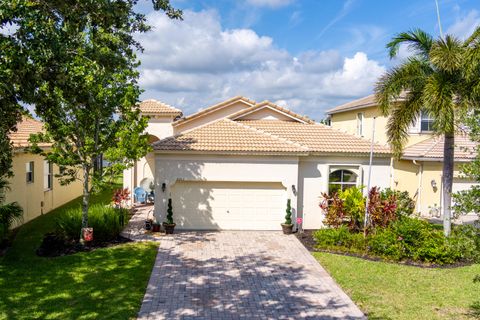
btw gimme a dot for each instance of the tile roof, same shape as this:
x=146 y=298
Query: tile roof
x=214 y=108
x=152 y=106
x=267 y=136
x=227 y=135
x=368 y=101
x=26 y=127
x=432 y=149
x=317 y=137
x=271 y=105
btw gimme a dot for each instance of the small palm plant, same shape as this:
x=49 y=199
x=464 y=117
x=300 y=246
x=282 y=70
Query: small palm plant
x=9 y=212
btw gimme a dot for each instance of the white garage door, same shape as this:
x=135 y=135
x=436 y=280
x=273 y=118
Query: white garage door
x=228 y=205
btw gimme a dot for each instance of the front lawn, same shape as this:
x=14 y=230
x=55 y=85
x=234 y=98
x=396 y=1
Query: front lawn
x=107 y=283
x=392 y=291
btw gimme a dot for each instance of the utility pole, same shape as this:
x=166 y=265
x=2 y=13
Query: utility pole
x=367 y=215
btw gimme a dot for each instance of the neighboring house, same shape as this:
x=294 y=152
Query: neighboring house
x=235 y=164
x=34 y=185
x=419 y=171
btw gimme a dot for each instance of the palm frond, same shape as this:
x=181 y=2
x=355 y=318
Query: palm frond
x=474 y=38
x=447 y=54
x=410 y=76
x=439 y=98
x=9 y=214
x=417 y=40
x=403 y=116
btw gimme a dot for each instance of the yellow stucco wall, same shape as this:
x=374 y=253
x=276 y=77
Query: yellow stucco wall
x=347 y=122
x=32 y=197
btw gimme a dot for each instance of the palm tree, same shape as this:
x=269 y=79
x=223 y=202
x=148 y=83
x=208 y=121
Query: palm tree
x=436 y=79
x=9 y=212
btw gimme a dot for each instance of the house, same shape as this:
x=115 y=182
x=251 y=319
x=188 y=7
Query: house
x=419 y=171
x=34 y=185
x=234 y=165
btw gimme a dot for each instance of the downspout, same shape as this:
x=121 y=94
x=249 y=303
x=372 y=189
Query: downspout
x=392 y=175
x=419 y=189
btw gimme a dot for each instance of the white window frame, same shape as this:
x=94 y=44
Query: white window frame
x=360 y=122
x=47 y=175
x=354 y=169
x=30 y=172
x=425 y=117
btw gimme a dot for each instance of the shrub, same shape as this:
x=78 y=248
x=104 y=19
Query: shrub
x=169 y=212
x=335 y=214
x=107 y=222
x=405 y=206
x=382 y=210
x=339 y=238
x=288 y=215
x=344 y=207
x=385 y=243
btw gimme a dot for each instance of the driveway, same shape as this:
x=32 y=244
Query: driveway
x=241 y=275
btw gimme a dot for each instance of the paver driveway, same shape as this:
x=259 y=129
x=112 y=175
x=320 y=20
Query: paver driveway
x=241 y=275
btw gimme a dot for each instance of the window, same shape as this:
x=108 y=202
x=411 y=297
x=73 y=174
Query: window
x=30 y=168
x=426 y=122
x=360 y=124
x=47 y=175
x=341 y=179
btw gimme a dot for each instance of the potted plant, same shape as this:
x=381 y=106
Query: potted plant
x=156 y=227
x=287 y=226
x=169 y=225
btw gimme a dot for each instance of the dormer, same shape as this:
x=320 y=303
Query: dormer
x=161 y=116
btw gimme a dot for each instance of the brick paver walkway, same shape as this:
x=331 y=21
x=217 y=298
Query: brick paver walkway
x=241 y=275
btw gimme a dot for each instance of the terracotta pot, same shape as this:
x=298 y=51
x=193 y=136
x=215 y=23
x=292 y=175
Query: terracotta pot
x=287 y=228
x=169 y=227
x=156 y=227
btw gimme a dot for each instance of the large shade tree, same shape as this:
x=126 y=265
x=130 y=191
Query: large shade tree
x=439 y=78
x=80 y=72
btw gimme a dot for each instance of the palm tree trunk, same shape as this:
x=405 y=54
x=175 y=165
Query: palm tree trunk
x=85 y=200
x=447 y=177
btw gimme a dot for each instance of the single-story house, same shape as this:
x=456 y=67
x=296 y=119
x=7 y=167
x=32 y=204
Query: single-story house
x=234 y=165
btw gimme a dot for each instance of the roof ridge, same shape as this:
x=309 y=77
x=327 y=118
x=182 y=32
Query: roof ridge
x=286 y=110
x=214 y=107
x=269 y=134
x=160 y=102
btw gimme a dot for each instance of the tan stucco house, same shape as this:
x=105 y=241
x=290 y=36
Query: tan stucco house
x=34 y=185
x=419 y=171
x=234 y=165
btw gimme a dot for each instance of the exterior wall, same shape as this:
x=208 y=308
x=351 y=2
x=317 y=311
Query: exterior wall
x=160 y=127
x=32 y=197
x=207 y=118
x=314 y=178
x=308 y=176
x=266 y=114
x=347 y=122
x=173 y=168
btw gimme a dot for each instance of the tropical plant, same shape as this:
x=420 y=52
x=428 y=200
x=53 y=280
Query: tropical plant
x=120 y=197
x=9 y=212
x=288 y=216
x=382 y=210
x=83 y=81
x=344 y=207
x=405 y=206
x=441 y=79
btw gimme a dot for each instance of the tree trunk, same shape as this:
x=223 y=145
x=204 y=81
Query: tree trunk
x=447 y=182
x=85 y=200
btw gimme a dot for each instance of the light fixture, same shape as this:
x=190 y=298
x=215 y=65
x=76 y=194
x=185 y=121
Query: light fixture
x=164 y=187
x=434 y=184
x=294 y=190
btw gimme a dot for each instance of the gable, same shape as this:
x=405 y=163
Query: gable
x=213 y=113
x=266 y=113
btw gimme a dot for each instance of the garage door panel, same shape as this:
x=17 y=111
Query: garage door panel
x=228 y=205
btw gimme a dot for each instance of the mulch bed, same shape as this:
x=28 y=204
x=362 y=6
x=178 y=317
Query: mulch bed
x=306 y=238
x=54 y=246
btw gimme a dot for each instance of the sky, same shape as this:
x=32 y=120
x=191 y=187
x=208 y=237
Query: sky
x=306 y=55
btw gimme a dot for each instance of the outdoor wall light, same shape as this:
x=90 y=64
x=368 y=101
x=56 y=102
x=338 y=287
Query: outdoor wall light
x=294 y=190
x=434 y=184
x=164 y=187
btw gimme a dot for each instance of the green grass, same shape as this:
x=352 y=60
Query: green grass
x=392 y=291
x=107 y=283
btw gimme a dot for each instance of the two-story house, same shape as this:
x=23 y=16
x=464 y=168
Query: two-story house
x=419 y=171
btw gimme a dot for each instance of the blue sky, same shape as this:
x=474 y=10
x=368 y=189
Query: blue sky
x=307 y=55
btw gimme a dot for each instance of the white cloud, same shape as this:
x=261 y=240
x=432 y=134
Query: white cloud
x=465 y=25
x=195 y=63
x=270 y=3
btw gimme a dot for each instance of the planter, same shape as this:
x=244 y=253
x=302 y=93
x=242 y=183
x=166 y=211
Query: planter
x=287 y=228
x=148 y=224
x=156 y=227
x=169 y=227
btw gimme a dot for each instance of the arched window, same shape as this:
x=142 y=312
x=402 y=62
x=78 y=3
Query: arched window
x=341 y=179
